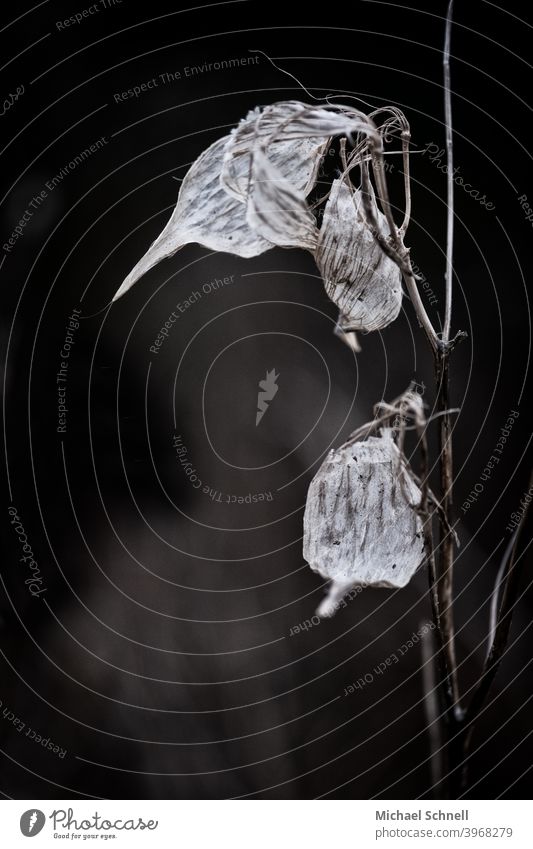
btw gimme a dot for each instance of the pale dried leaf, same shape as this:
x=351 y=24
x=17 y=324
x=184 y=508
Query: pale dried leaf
x=361 y=526
x=363 y=282
x=215 y=207
x=292 y=119
x=204 y=213
x=296 y=134
x=298 y=159
x=276 y=210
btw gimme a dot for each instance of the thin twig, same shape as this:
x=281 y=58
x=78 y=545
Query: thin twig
x=449 y=160
x=496 y=592
x=446 y=559
x=431 y=709
x=419 y=307
x=438 y=686
x=444 y=573
x=378 y=168
x=500 y=637
x=403 y=261
x=406 y=136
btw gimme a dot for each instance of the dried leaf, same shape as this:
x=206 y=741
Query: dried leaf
x=363 y=282
x=297 y=159
x=247 y=191
x=295 y=135
x=292 y=119
x=211 y=207
x=277 y=211
x=361 y=526
x=204 y=213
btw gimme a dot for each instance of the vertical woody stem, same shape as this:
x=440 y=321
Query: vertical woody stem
x=445 y=578
x=453 y=710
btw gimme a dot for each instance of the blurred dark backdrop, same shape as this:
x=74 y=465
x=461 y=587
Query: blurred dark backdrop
x=160 y=659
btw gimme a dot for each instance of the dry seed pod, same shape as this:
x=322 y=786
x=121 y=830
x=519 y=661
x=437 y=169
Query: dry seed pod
x=361 y=526
x=358 y=277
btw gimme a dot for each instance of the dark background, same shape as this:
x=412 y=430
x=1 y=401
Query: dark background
x=160 y=656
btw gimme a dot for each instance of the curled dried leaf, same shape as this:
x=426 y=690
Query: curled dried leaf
x=212 y=204
x=358 y=276
x=297 y=159
x=246 y=193
x=276 y=210
x=292 y=119
x=361 y=522
x=205 y=213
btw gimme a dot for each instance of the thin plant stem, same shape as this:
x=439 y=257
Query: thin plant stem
x=441 y=582
x=406 y=181
x=509 y=591
x=446 y=559
x=419 y=308
x=494 y=657
x=395 y=252
x=496 y=593
x=431 y=709
x=449 y=162
x=446 y=547
x=435 y=673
